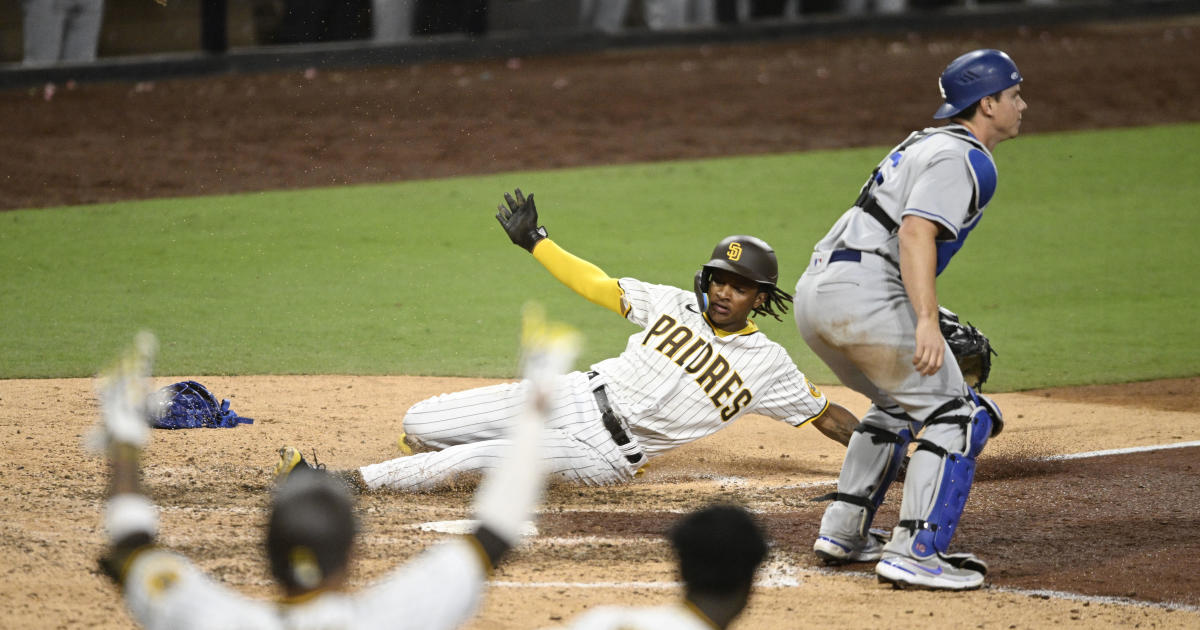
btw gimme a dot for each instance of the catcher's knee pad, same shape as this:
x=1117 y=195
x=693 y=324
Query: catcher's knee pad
x=993 y=411
x=873 y=459
x=953 y=485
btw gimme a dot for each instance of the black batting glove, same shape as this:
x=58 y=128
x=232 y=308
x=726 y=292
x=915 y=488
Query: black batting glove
x=520 y=219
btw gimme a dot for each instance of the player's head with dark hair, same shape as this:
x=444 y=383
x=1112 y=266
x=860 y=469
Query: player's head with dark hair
x=311 y=530
x=753 y=259
x=719 y=549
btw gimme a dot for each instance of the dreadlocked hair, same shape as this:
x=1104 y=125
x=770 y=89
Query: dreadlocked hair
x=776 y=299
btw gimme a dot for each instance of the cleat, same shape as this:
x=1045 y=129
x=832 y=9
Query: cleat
x=836 y=552
x=934 y=573
x=968 y=561
x=409 y=446
x=289 y=459
x=403 y=445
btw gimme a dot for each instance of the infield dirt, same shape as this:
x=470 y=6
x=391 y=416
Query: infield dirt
x=1119 y=527
x=1106 y=527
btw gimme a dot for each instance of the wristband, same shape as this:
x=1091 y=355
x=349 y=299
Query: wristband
x=128 y=514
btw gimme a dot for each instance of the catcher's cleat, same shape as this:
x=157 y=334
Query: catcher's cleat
x=968 y=561
x=834 y=552
x=934 y=573
x=290 y=459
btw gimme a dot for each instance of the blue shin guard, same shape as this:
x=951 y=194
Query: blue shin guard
x=958 y=473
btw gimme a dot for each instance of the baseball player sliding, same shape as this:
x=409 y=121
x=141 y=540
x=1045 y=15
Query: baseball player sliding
x=867 y=305
x=697 y=364
x=312 y=527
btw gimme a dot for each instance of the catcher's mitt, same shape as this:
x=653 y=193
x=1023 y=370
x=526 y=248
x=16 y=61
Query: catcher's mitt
x=971 y=348
x=189 y=405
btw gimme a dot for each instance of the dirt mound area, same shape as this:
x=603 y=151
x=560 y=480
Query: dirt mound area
x=1098 y=539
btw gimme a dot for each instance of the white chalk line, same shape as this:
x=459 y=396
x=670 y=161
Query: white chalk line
x=784 y=575
x=1040 y=593
x=1094 y=599
x=1122 y=451
x=612 y=585
x=775 y=573
x=789 y=579
x=212 y=509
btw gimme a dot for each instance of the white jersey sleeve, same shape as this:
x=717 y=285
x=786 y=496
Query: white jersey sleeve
x=792 y=398
x=165 y=591
x=641 y=298
x=438 y=590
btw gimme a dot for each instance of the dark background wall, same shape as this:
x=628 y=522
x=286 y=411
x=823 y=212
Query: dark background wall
x=142 y=40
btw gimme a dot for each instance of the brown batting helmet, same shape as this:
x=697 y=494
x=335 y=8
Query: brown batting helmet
x=746 y=256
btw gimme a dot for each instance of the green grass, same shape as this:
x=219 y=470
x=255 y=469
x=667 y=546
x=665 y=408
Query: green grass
x=1082 y=272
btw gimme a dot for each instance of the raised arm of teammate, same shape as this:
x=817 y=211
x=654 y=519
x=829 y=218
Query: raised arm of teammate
x=130 y=519
x=509 y=494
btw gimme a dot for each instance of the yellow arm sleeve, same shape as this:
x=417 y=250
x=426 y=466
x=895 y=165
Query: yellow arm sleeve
x=582 y=276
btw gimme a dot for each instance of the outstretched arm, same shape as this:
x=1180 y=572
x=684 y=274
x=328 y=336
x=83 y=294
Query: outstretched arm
x=509 y=494
x=582 y=276
x=837 y=423
x=519 y=221
x=130 y=518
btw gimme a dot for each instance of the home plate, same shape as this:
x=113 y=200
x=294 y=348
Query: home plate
x=467 y=526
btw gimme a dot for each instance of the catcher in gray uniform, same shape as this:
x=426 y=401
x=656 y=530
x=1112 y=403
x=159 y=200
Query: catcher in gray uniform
x=867 y=305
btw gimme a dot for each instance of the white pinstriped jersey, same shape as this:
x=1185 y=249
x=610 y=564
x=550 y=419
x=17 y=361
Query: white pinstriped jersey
x=678 y=380
x=440 y=589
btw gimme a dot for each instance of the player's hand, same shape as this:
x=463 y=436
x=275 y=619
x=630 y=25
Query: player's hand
x=931 y=347
x=125 y=391
x=520 y=219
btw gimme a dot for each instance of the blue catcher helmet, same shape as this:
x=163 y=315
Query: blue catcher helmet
x=973 y=76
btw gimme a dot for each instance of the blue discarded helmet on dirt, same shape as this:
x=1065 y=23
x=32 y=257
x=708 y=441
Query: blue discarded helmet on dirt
x=973 y=76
